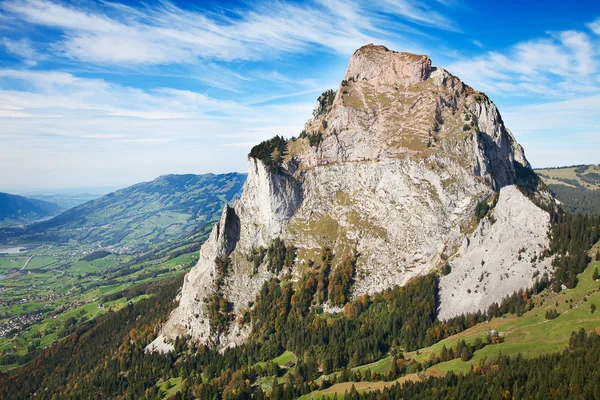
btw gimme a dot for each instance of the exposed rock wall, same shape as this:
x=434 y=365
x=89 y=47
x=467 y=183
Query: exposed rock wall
x=404 y=153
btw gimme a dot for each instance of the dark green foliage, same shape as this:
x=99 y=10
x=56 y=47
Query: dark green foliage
x=592 y=178
x=578 y=199
x=519 y=302
x=96 y=255
x=280 y=256
x=219 y=308
x=222 y=270
x=595 y=274
x=572 y=374
x=89 y=363
x=552 y=314
x=284 y=318
x=324 y=272
x=465 y=354
x=256 y=257
x=220 y=312
x=592 y=308
x=315 y=138
x=482 y=209
x=340 y=284
x=572 y=237
x=326 y=98
x=443 y=329
x=270 y=152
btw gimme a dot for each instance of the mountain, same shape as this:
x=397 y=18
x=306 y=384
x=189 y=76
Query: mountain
x=67 y=200
x=18 y=209
x=576 y=187
x=402 y=171
x=131 y=219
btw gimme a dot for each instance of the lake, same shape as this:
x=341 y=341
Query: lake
x=12 y=250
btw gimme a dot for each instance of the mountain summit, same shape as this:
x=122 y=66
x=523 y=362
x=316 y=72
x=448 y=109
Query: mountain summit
x=401 y=171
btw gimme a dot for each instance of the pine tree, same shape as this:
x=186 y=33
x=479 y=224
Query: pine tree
x=444 y=354
x=394 y=370
x=595 y=274
x=465 y=354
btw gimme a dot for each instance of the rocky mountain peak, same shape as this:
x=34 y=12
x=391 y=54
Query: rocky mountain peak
x=404 y=169
x=378 y=65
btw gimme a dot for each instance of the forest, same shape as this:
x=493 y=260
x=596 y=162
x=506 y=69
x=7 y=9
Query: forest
x=105 y=357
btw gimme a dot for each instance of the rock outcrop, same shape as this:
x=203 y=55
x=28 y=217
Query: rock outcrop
x=394 y=166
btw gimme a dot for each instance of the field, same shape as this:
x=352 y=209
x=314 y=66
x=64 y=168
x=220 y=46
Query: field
x=62 y=285
x=529 y=335
x=587 y=176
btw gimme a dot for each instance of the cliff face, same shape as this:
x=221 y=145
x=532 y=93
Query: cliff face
x=391 y=167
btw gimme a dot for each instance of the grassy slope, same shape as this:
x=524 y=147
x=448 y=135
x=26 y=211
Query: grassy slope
x=170 y=207
x=530 y=335
x=57 y=274
x=555 y=176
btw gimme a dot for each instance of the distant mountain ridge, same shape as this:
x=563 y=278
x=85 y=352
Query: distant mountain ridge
x=136 y=217
x=20 y=209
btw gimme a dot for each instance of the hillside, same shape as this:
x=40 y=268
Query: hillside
x=584 y=176
x=534 y=344
x=576 y=187
x=16 y=209
x=139 y=235
x=134 y=218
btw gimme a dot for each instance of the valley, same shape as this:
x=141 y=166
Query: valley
x=46 y=286
x=90 y=259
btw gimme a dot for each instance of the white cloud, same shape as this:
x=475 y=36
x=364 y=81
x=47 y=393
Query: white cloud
x=558 y=133
x=561 y=65
x=23 y=48
x=165 y=33
x=65 y=130
x=420 y=13
x=595 y=26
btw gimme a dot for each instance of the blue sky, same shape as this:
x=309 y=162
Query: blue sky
x=113 y=93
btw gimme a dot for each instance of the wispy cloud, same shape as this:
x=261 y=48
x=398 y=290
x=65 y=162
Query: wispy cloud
x=23 y=48
x=420 y=13
x=595 y=26
x=77 y=124
x=164 y=33
x=558 y=65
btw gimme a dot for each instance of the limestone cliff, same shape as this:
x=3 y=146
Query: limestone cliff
x=393 y=166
